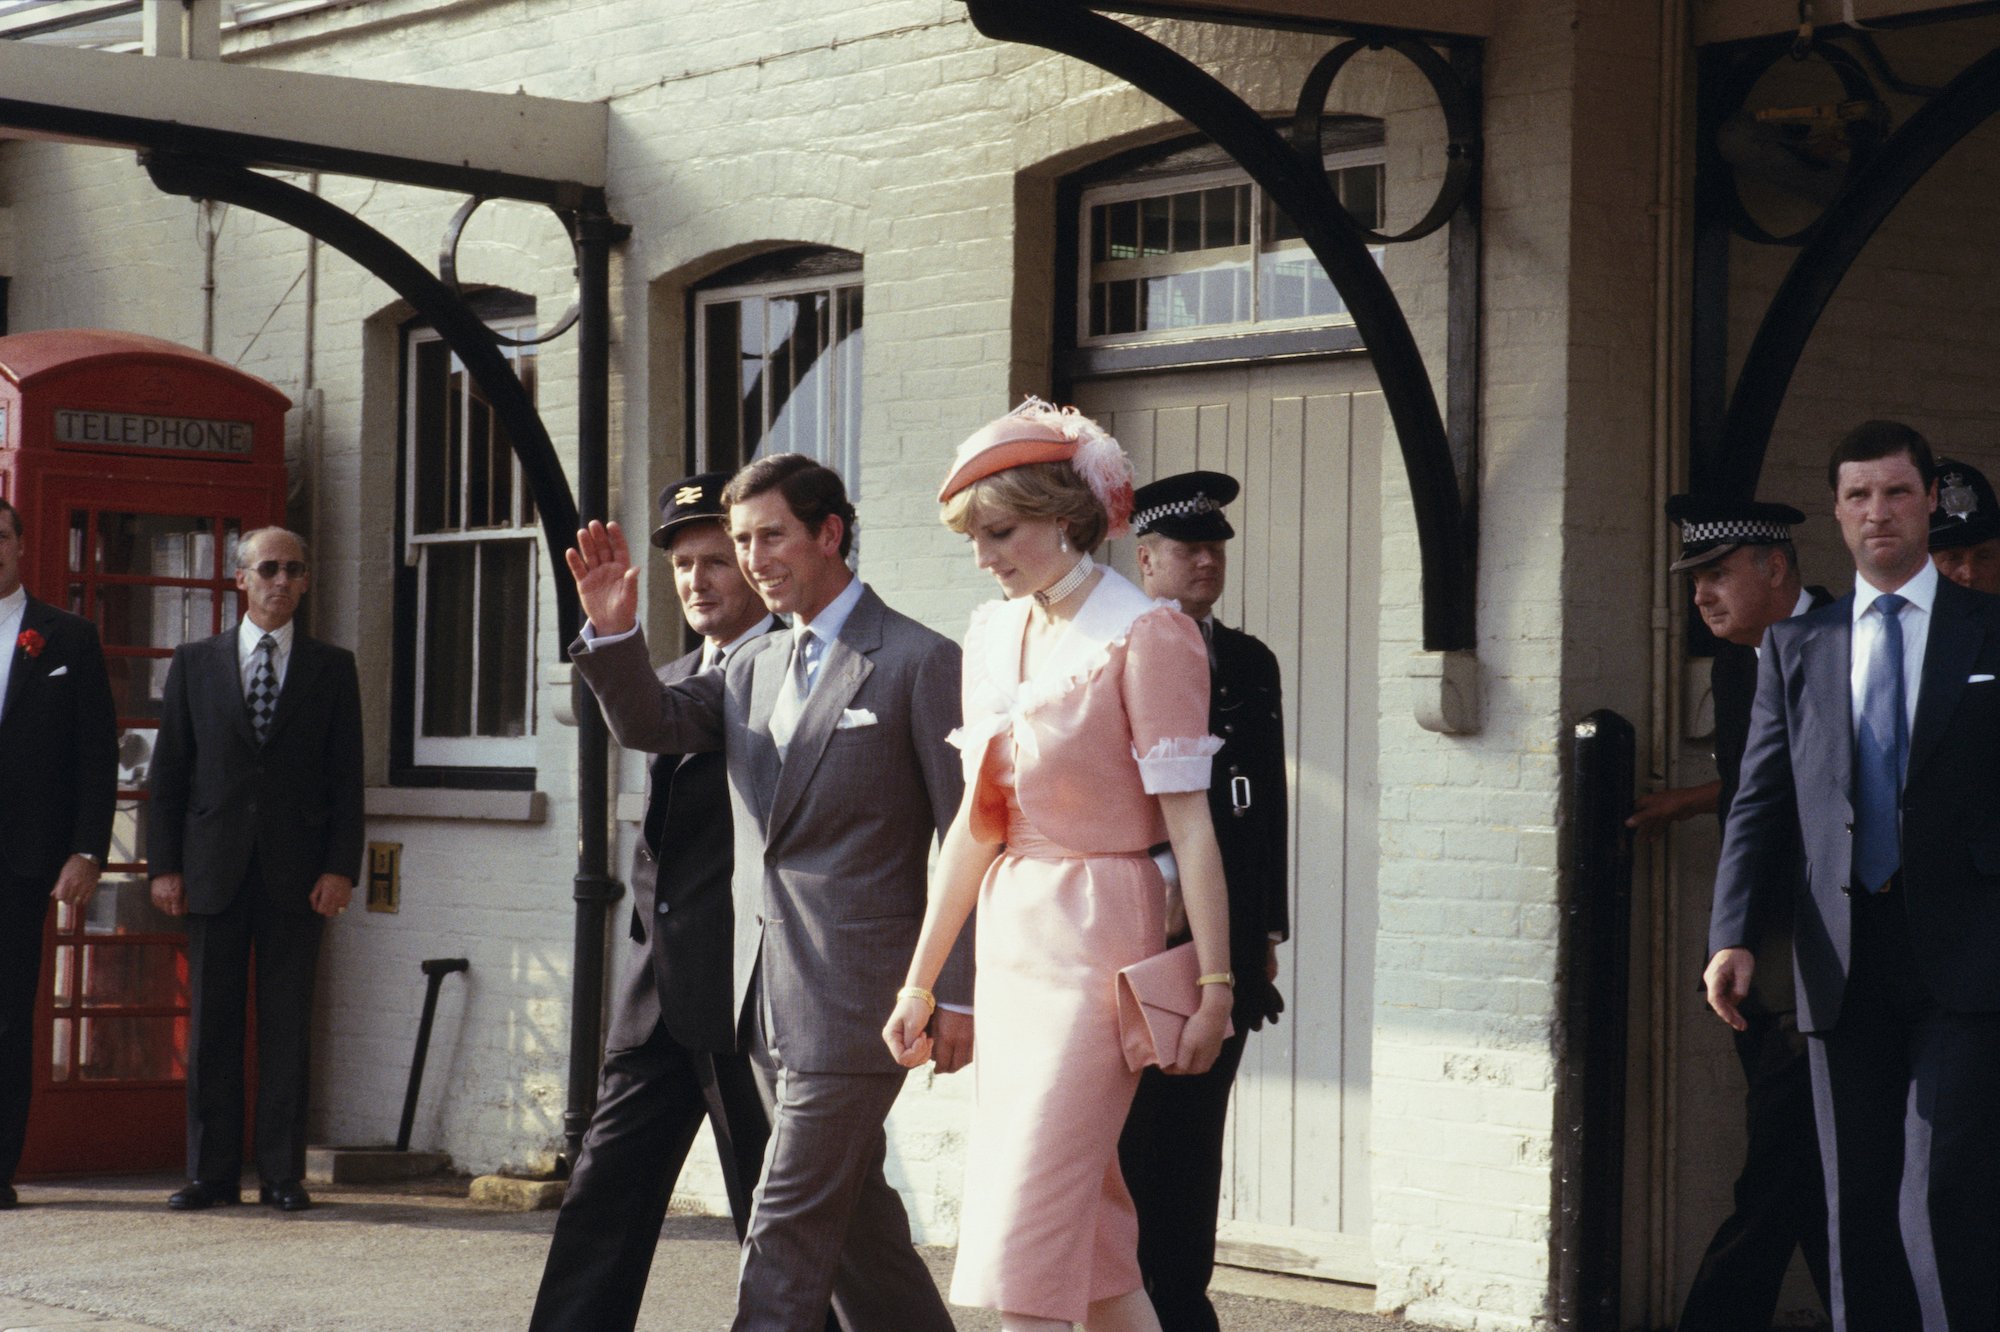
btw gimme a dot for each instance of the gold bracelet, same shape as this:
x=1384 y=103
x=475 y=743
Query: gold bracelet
x=1216 y=978
x=918 y=992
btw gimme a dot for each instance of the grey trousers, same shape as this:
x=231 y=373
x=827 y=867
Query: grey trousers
x=825 y=1221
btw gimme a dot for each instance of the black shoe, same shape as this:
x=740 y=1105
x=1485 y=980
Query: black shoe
x=201 y=1194
x=287 y=1195
x=9 y=1199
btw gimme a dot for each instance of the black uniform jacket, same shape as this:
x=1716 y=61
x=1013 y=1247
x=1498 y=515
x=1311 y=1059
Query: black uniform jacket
x=677 y=971
x=1249 y=802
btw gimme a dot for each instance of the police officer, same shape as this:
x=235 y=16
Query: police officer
x=1738 y=554
x=1171 y=1151
x=1965 y=527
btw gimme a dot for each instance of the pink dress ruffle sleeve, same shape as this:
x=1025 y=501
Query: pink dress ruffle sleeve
x=1068 y=765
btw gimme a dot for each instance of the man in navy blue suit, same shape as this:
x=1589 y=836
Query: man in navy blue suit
x=1876 y=726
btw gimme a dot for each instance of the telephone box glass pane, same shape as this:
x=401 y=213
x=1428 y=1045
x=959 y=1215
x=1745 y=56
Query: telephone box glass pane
x=59 y=1053
x=131 y=1049
x=123 y=906
x=162 y=545
x=137 y=686
x=133 y=975
x=137 y=615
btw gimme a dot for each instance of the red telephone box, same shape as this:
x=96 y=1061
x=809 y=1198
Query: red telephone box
x=137 y=466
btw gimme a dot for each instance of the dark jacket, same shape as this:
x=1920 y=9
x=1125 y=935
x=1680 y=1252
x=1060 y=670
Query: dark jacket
x=1248 y=799
x=218 y=797
x=58 y=748
x=1798 y=764
x=677 y=971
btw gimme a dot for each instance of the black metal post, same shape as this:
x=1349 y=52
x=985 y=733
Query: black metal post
x=435 y=970
x=1595 y=975
x=594 y=889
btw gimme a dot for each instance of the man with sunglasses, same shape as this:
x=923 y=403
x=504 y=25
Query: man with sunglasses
x=254 y=833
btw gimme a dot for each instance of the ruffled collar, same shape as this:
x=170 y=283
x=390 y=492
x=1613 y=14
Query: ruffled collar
x=1100 y=624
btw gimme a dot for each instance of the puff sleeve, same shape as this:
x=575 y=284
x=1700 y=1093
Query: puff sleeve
x=1166 y=701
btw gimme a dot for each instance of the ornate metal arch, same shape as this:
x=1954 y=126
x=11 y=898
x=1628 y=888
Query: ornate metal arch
x=1442 y=465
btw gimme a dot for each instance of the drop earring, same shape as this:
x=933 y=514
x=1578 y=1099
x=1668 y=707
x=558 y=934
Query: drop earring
x=1062 y=540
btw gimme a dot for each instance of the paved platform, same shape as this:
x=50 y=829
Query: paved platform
x=107 y=1255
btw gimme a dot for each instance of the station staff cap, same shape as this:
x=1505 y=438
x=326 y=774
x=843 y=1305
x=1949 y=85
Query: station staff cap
x=689 y=500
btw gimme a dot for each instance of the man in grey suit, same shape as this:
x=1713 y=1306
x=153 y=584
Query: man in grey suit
x=839 y=776
x=671 y=1059
x=1873 y=733
x=254 y=832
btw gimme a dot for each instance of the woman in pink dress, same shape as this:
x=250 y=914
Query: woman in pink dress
x=1085 y=743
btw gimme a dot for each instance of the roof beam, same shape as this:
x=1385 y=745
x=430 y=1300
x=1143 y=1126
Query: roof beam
x=507 y=145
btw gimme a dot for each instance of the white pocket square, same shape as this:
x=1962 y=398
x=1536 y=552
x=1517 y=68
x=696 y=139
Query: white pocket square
x=1979 y=679
x=853 y=717
x=64 y=670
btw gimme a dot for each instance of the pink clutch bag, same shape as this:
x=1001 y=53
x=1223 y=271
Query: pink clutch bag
x=1155 y=1000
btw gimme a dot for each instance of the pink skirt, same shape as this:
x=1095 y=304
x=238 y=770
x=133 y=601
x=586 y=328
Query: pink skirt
x=1047 y=1226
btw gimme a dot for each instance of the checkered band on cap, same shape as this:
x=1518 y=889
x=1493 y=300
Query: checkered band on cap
x=1737 y=530
x=1186 y=508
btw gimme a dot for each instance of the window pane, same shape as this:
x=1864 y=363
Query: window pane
x=479 y=442
x=1360 y=190
x=527 y=366
x=432 y=441
x=721 y=343
x=448 y=640
x=503 y=637
x=1219 y=208
x=1187 y=221
x=1153 y=221
x=453 y=480
x=1122 y=220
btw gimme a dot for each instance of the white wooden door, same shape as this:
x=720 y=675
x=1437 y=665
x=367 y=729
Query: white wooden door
x=1305 y=439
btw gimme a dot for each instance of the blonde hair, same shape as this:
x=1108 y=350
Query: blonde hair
x=1033 y=490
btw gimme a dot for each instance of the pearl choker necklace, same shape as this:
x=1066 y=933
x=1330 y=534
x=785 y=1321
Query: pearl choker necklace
x=1067 y=584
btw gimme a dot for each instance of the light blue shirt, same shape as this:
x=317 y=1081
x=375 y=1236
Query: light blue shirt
x=1921 y=592
x=813 y=638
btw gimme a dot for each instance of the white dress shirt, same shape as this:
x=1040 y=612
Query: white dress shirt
x=715 y=658
x=248 y=635
x=1921 y=592
x=13 y=607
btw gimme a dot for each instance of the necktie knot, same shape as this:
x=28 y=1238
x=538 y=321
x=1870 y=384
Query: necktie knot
x=1889 y=604
x=267 y=644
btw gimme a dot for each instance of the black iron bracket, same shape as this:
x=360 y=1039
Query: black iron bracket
x=1729 y=457
x=200 y=177
x=1442 y=463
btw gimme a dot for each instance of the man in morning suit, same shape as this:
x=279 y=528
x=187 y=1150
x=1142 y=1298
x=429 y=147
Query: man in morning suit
x=58 y=786
x=1171 y=1150
x=1875 y=726
x=254 y=832
x=671 y=1057
x=1744 y=572
x=839 y=776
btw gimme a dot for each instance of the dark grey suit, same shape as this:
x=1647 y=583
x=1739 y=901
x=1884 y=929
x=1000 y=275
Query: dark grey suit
x=831 y=849
x=1899 y=991
x=58 y=787
x=251 y=828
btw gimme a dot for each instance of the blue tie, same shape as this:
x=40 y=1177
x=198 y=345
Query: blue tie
x=1881 y=748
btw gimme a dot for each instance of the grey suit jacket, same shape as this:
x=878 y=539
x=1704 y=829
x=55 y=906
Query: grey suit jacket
x=1799 y=763
x=832 y=844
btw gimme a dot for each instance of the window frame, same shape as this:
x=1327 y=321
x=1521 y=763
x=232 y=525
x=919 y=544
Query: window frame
x=767 y=277
x=464 y=762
